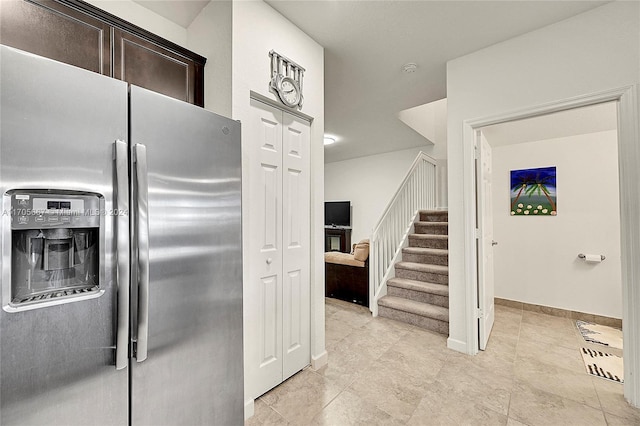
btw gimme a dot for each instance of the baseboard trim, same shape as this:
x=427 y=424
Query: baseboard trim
x=319 y=361
x=457 y=345
x=558 y=312
x=249 y=409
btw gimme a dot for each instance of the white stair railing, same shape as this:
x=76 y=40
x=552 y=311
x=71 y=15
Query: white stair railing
x=416 y=192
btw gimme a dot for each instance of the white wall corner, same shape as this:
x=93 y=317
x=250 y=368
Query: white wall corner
x=629 y=159
x=210 y=35
x=318 y=338
x=319 y=361
x=442 y=188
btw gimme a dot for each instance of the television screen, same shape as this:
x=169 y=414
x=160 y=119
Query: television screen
x=337 y=213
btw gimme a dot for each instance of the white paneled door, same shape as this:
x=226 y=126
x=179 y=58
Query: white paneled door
x=277 y=234
x=485 y=244
x=296 y=289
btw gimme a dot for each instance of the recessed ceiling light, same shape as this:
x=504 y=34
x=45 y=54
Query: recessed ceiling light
x=410 y=67
x=329 y=140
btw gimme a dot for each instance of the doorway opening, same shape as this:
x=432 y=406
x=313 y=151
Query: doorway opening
x=628 y=155
x=573 y=155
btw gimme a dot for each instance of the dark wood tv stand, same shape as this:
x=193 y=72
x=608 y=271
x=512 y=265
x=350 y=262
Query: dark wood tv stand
x=337 y=238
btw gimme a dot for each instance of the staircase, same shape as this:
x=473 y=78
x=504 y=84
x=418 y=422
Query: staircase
x=419 y=293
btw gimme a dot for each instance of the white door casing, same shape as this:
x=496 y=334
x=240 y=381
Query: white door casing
x=277 y=289
x=485 y=243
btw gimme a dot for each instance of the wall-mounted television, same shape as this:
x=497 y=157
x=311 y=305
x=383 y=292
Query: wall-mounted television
x=337 y=213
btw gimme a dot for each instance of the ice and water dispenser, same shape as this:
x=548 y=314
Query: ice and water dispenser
x=55 y=247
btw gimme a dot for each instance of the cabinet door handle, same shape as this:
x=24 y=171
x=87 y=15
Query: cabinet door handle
x=269 y=260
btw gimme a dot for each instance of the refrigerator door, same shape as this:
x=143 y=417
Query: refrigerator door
x=191 y=329
x=58 y=128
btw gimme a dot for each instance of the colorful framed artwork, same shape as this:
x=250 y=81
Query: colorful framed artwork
x=533 y=192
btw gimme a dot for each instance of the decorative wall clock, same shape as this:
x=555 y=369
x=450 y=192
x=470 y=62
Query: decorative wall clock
x=286 y=80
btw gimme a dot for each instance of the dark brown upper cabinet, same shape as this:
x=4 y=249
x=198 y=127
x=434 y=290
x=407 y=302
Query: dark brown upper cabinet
x=82 y=35
x=57 y=32
x=147 y=65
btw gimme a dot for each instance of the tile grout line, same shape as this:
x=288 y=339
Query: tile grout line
x=515 y=357
x=280 y=414
x=355 y=376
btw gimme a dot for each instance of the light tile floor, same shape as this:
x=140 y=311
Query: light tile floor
x=383 y=372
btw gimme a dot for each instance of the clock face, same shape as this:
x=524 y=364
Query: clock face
x=289 y=92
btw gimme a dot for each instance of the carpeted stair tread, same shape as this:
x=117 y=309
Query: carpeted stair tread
x=430 y=311
x=432 y=254
x=422 y=286
x=429 y=240
x=429 y=236
x=434 y=216
x=431 y=227
x=428 y=223
x=423 y=250
x=421 y=267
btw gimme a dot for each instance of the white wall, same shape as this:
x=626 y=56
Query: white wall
x=257 y=29
x=210 y=36
x=591 y=52
x=369 y=183
x=536 y=258
x=144 y=18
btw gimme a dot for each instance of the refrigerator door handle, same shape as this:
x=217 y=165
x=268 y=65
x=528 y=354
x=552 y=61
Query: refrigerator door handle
x=140 y=153
x=122 y=253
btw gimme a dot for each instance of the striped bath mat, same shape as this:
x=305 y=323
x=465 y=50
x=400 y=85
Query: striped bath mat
x=600 y=334
x=603 y=365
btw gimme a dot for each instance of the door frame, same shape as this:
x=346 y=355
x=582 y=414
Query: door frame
x=629 y=175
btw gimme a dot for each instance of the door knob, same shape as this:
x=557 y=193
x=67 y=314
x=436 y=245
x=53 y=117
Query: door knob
x=269 y=260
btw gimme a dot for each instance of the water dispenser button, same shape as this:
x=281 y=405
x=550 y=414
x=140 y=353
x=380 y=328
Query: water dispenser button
x=39 y=218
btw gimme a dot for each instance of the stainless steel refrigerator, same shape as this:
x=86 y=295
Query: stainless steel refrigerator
x=121 y=283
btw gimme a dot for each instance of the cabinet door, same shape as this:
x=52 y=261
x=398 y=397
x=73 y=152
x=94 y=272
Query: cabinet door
x=57 y=32
x=147 y=65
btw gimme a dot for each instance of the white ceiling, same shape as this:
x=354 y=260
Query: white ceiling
x=367 y=43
